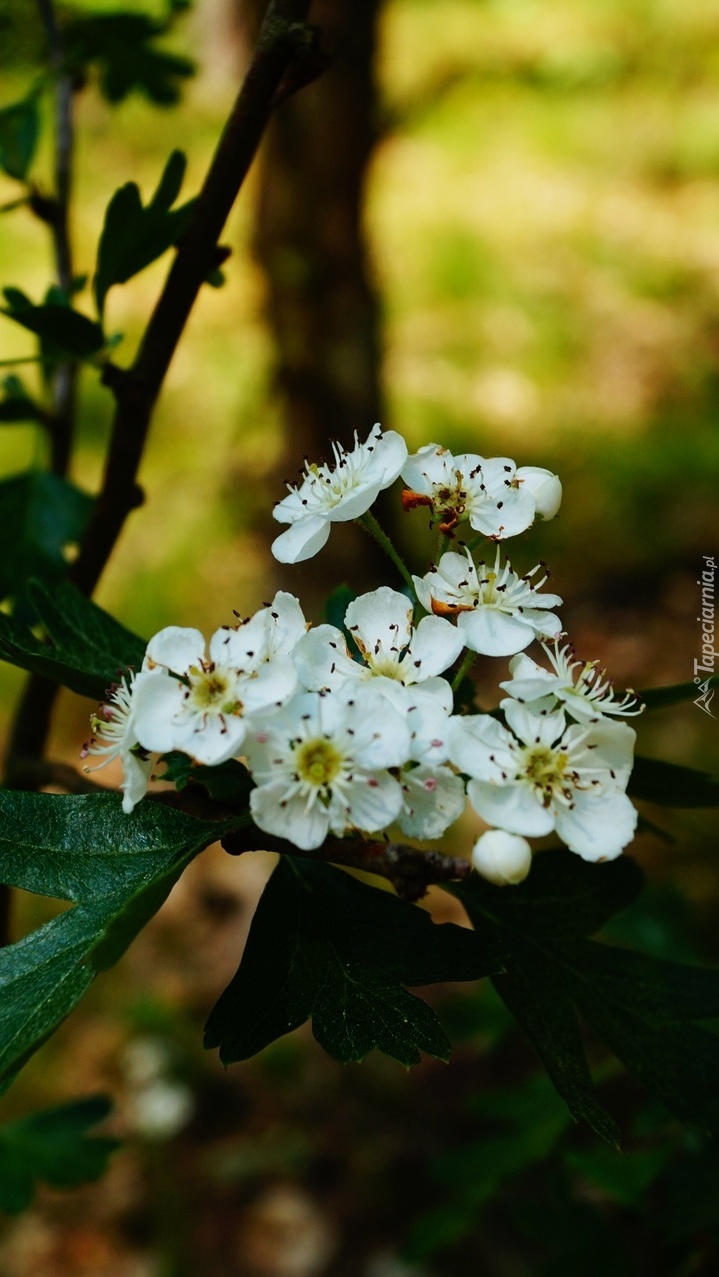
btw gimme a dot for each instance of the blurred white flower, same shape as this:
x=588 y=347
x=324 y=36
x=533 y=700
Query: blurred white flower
x=581 y=687
x=114 y=736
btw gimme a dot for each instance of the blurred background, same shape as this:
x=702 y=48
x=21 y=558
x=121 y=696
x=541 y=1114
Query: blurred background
x=494 y=225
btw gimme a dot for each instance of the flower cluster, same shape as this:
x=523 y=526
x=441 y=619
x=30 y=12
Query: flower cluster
x=354 y=730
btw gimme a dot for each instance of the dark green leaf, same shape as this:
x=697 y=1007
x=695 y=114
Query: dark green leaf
x=87 y=648
x=53 y=1146
x=41 y=514
x=672 y=785
x=123 y=47
x=644 y=1009
x=17 y=404
x=662 y=697
x=66 y=331
x=133 y=236
x=624 y=1177
x=325 y=946
x=532 y=1121
x=19 y=132
x=228 y=782
x=117 y=869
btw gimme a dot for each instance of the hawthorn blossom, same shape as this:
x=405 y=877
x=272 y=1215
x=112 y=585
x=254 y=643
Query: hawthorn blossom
x=498 y=499
x=498 y=612
x=581 y=687
x=113 y=736
x=502 y=858
x=321 y=766
x=433 y=798
x=336 y=494
x=395 y=656
x=200 y=704
x=538 y=774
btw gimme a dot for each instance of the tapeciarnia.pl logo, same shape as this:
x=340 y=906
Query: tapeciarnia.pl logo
x=705 y=666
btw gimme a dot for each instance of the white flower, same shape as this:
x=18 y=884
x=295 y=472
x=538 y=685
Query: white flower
x=113 y=735
x=537 y=774
x=498 y=500
x=498 y=612
x=201 y=706
x=320 y=765
x=502 y=858
x=433 y=798
x=581 y=687
x=336 y=494
x=545 y=487
x=395 y=656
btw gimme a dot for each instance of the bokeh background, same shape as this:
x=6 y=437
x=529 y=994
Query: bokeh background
x=493 y=224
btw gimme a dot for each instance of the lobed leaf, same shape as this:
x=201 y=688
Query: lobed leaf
x=133 y=236
x=123 y=46
x=64 y=332
x=325 y=946
x=54 y=1146
x=118 y=870
x=42 y=515
x=86 y=648
x=19 y=133
x=644 y=1009
x=672 y=785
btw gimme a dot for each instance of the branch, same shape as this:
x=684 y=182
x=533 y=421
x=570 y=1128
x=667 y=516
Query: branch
x=410 y=871
x=285 y=43
x=56 y=215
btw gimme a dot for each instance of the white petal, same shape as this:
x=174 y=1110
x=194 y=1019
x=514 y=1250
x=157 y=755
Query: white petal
x=390 y=456
x=473 y=739
x=382 y=617
x=608 y=745
x=136 y=777
x=177 y=648
x=369 y=803
x=157 y=700
x=272 y=684
x=493 y=633
x=305 y=827
x=599 y=825
x=426 y=468
x=322 y=660
x=531 y=728
x=433 y=799
x=429 y=725
x=381 y=735
x=357 y=502
x=512 y=807
x=506 y=516
x=544 y=624
x=435 y=646
x=502 y=858
x=211 y=740
x=545 y=487
x=302 y=540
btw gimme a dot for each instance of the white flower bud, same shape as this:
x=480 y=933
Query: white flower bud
x=502 y=858
x=545 y=487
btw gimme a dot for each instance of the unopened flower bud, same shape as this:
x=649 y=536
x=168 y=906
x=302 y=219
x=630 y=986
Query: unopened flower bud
x=545 y=487
x=502 y=858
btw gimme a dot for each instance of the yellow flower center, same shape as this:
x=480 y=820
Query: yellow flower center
x=545 y=768
x=211 y=691
x=318 y=763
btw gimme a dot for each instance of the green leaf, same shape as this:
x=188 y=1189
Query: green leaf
x=42 y=515
x=64 y=332
x=117 y=869
x=662 y=697
x=228 y=782
x=53 y=1146
x=133 y=236
x=17 y=404
x=86 y=648
x=325 y=946
x=19 y=132
x=532 y=1122
x=123 y=46
x=672 y=785
x=643 y=1008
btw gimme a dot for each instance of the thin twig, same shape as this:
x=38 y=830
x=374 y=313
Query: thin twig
x=410 y=871
x=285 y=40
